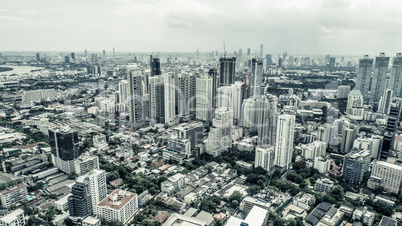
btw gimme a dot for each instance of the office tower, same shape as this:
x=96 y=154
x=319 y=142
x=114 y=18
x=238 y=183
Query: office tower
x=80 y=202
x=248 y=52
x=204 y=91
x=354 y=107
x=123 y=95
x=280 y=62
x=64 y=148
x=259 y=114
x=213 y=73
x=269 y=59
x=332 y=62
x=170 y=97
x=155 y=66
x=73 y=56
x=227 y=71
x=386 y=175
x=391 y=129
x=94 y=58
x=264 y=157
x=349 y=134
x=343 y=92
x=378 y=78
x=134 y=80
x=256 y=78
x=261 y=51
x=231 y=97
x=113 y=51
x=104 y=53
x=37 y=57
x=355 y=164
x=364 y=76
x=156 y=99
x=220 y=134
x=85 y=163
x=85 y=52
x=186 y=93
x=66 y=59
x=96 y=180
x=284 y=141
x=385 y=102
x=396 y=75
x=119 y=206
x=240 y=55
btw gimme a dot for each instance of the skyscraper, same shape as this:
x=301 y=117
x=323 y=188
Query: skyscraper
x=264 y=157
x=378 y=79
x=269 y=59
x=364 y=76
x=391 y=129
x=355 y=164
x=123 y=95
x=240 y=55
x=220 y=135
x=213 y=73
x=331 y=62
x=66 y=59
x=96 y=180
x=230 y=97
x=248 y=52
x=186 y=93
x=104 y=52
x=385 y=102
x=396 y=75
x=155 y=66
x=261 y=51
x=204 y=98
x=134 y=80
x=227 y=71
x=349 y=134
x=80 y=202
x=284 y=141
x=170 y=97
x=156 y=99
x=37 y=57
x=64 y=148
x=256 y=78
x=73 y=56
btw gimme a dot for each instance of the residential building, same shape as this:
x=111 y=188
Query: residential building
x=386 y=175
x=204 y=98
x=355 y=164
x=284 y=141
x=349 y=133
x=363 y=80
x=227 y=71
x=85 y=163
x=354 y=108
x=15 y=218
x=80 y=203
x=324 y=185
x=343 y=92
x=135 y=91
x=220 y=134
x=264 y=157
x=12 y=196
x=378 y=78
x=396 y=75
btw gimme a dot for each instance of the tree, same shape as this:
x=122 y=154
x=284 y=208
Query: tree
x=338 y=193
x=235 y=203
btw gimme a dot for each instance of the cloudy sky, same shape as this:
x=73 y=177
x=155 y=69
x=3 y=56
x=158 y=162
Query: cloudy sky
x=296 y=26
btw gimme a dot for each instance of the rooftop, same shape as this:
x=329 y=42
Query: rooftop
x=117 y=199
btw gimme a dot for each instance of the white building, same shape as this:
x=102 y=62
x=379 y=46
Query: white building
x=204 y=98
x=177 y=150
x=354 y=108
x=343 y=91
x=324 y=185
x=123 y=95
x=85 y=163
x=15 y=218
x=12 y=196
x=264 y=157
x=284 y=141
x=387 y=175
x=98 y=186
x=119 y=206
x=230 y=97
x=91 y=221
x=62 y=203
x=170 y=96
x=322 y=165
x=38 y=95
x=314 y=149
x=220 y=135
x=134 y=80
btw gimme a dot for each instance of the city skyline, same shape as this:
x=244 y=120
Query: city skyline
x=300 y=27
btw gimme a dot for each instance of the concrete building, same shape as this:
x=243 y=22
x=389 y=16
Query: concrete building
x=385 y=101
x=396 y=75
x=91 y=221
x=97 y=185
x=15 y=218
x=192 y=131
x=204 y=98
x=315 y=149
x=135 y=91
x=220 y=134
x=230 y=97
x=349 y=134
x=119 y=206
x=186 y=84
x=363 y=80
x=170 y=98
x=85 y=163
x=12 y=196
x=38 y=95
x=156 y=91
x=227 y=71
x=177 y=150
x=264 y=157
x=324 y=185
x=343 y=92
x=322 y=165
x=79 y=203
x=123 y=96
x=256 y=78
x=378 y=78
x=62 y=204
x=354 y=108
x=355 y=164
x=386 y=175
x=284 y=141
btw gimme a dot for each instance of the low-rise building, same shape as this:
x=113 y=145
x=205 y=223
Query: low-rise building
x=15 y=218
x=14 y=195
x=324 y=185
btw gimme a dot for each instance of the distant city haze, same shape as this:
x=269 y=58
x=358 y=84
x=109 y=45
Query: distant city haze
x=297 y=26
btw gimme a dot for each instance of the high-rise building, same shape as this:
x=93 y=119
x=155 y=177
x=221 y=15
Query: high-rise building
x=156 y=91
x=104 y=52
x=119 y=206
x=386 y=175
x=355 y=164
x=113 y=51
x=385 y=102
x=213 y=73
x=391 y=129
x=186 y=93
x=67 y=59
x=80 y=202
x=343 y=92
x=378 y=79
x=331 y=62
x=279 y=62
x=134 y=80
x=170 y=97
x=264 y=157
x=64 y=148
x=284 y=141
x=220 y=135
x=204 y=91
x=248 y=52
x=396 y=76
x=256 y=78
x=269 y=59
x=261 y=51
x=354 y=107
x=73 y=56
x=85 y=52
x=231 y=97
x=155 y=66
x=349 y=134
x=37 y=57
x=240 y=55
x=363 y=79
x=227 y=71
x=123 y=95
x=94 y=58
x=97 y=185
x=85 y=163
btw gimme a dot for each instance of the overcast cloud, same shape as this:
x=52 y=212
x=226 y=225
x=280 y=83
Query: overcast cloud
x=296 y=26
